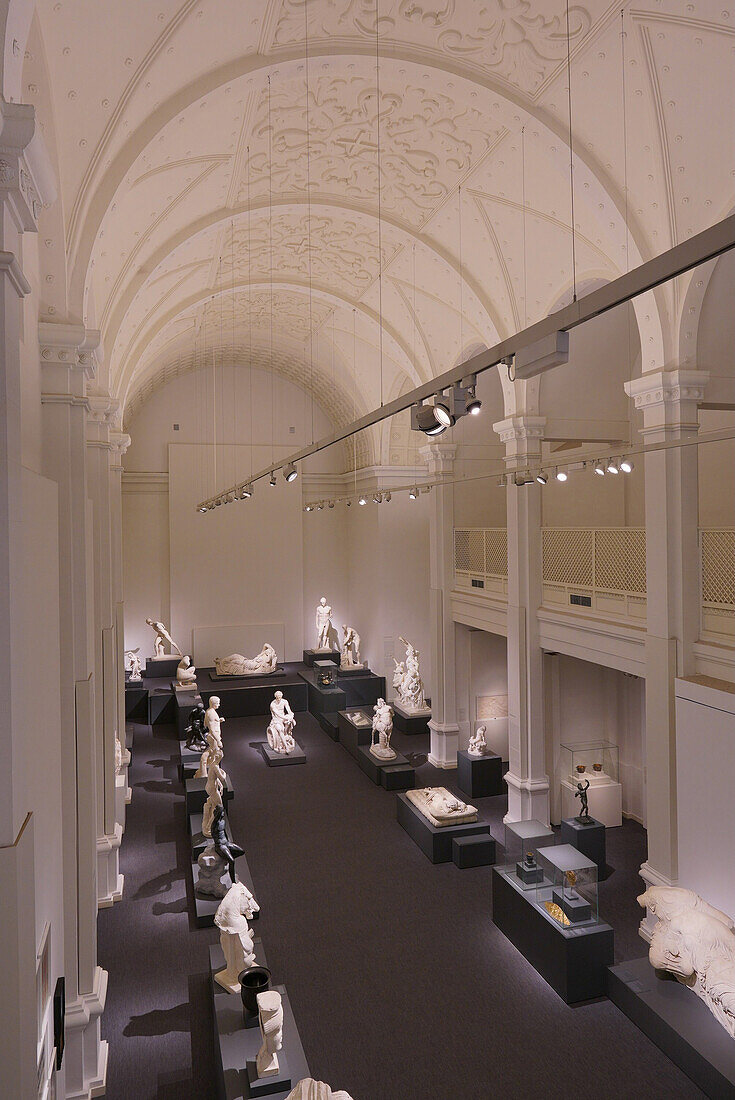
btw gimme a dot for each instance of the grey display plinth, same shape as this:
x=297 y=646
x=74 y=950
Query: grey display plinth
x=236 y=1045
x=279 y=759
x=480 y=776
x=346 y=673
x=321 y=699
x=678 y=1022
x=311 y=655
x=588 y=838
x=189 y=761
x=352 y=736
x=573 y=961
x=473 y=851
x=436 y=844
x=136 y=702
x=398 y=777
x=329 y=721
x=161 y=706
x=196 y=795
x=206 y=906
x=163 y=668
x=241 y=678
x=409 y=723
x=373 y=767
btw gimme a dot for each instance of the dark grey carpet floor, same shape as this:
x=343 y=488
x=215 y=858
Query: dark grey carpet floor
x=402 y=987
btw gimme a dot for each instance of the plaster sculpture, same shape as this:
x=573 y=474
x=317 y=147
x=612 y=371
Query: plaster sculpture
x=323 y=624
x=350 y=654
x=186 y=674
x=309 y=1089
x=407 y=681
x=211 y=868
x=383 y=727
x=236 y=665
x=122 y=757
x=478 y=744
x=695 y=942
x=441 y=808
x=196 y=732
x=214 y=788
x=132 y=664
x=234 y=934
x=162 y=636
x=214 y=751
x=281 y=726
x=270 y=1015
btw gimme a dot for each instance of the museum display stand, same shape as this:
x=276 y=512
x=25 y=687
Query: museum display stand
x=205 y=906
x=236 y=1046
x=596 y=761
x=188 y=761
x=241 y=697
x=680 y=1024
x=280 y=759
x=312 y=655
x=480 y=776
x=545 y=902
x=161 y=706
x=435 y=843
x=136 y=701
x=587 y=836
x=161 y=668
x=411 y=721
x=195 y=791
x=343 y=694
x=355 y=736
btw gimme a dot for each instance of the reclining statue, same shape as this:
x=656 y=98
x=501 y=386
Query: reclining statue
x=236 y=665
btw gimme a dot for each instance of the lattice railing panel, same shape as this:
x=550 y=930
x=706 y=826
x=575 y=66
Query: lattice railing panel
x=718 y=566
x=568 y=556
x=496 y=551
x=620 y=559
x=461 y=550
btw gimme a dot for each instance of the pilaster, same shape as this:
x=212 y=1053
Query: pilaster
x=527 y=780
x=119 y=443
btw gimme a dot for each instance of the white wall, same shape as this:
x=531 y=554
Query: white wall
x=488 y=659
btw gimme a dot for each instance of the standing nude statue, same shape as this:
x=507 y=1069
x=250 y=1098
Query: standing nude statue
x=581 y=794
x=323 y=624
x=350 y=656
x=162 y=635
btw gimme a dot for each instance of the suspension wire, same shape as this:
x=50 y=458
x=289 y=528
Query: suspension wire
x=523 y=199
x=380 y=196
x=461 y=278
x=571 y=157
x=354 y=395
x=235 y=415
x=628 y=307
x=308 y=217
x=250 y=316
x=270 y=251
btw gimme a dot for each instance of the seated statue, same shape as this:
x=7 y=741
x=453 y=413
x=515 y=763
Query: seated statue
x=186 y=674
x=695 y=942
x=236 y=665
x=383 y=726
x=441 y=808
x=478 y=744
x=281 y=726
x=309 y=1089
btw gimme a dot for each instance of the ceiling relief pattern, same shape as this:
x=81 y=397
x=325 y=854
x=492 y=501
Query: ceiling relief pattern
x=519 y=41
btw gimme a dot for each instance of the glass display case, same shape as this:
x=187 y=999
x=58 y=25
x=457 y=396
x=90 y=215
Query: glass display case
x=326 y=673
x=593 y=760
x=522 y=840
x=360 y=719
x=567 y=887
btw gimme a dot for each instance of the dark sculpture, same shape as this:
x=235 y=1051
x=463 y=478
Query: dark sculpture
x=529 y=859
x=196 y=740
x=225 y=849
x=581 y=794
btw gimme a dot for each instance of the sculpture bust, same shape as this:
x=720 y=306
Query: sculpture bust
x=323 y=624
x=281 y=726
x=235 y=936
x=186 y=673
x=350 y=654
x=383 y=727
x=270 y=1016
x=478 y=744
x=162 y=635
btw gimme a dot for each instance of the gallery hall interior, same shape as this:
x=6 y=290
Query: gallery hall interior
x=367 y=549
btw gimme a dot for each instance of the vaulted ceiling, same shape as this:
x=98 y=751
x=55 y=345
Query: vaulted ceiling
x=209 y=203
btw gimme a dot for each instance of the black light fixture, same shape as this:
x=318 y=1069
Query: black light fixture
x=203 y=508
x=308 y=507
x=272 y=481
x=331 y=504
x=377 y=498
x=386 y=497
x=290 y=472
x=247 y=492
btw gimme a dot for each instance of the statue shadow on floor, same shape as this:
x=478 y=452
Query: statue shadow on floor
x=161 y=908
x=157 y=786
x=416 y=759
x=160 y=1021
x=161 y=884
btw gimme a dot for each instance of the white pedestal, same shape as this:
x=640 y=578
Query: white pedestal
x=605 y=802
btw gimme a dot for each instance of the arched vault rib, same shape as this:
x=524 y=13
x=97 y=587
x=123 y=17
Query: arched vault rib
x=223 y=216
x=92 y=202
x=132 y=360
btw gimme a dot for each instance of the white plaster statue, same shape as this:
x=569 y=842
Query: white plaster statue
x=122 y=757
x=695 y=942
x=323 y=624
x=407 y=681
x=478 y=744
x=383 y=727
x=215 y=750
x=216 y=779
x=162 y=636
x=235 y=936
x=211 y=869
x=270 y=1017
x=132 y=665
x=186 y=674
x=350 y=654
x=281 y=726
x=309 y=1089
x=236 y=665
x=441 y=808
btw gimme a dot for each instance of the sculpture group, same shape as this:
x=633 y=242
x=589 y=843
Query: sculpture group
x=382 y=728
x=281 y=726
x=407 y=682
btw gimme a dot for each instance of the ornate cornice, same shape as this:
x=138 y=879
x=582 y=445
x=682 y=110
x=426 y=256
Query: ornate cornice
x=668 y=399
x=26 y=177
x=522 y=436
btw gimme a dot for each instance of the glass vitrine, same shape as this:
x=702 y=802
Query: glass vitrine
x=593 y=760
x=567 y=886
x=522 y=840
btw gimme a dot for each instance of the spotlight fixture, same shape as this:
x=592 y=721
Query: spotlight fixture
x=348 y=503
x=542 y=477
x=320 y=506
x=202 y=508
x=308 y=507
x=386 y=497
x=473 y=404
x=424 y=419
x=613 y=467
x=600 y=468
x=442 y=412
x=247 y=492
x=272 y=481
x=377 y=498
x=290 y=472
x=413 y=493
x=561 y=475
x=627 y=466
x=331 y=504
x=362 y=501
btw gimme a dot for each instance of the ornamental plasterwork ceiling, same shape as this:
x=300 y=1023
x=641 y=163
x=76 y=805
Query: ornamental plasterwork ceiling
x=168 y=168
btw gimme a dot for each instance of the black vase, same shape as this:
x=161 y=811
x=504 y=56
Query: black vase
x=255 y=980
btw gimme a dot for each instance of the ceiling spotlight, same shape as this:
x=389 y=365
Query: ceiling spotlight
x=613 y=467
x=377 y=498
x=442 y=412
x=473 y=404
x=202 y=508
x=362 y=501
x=542 y=477
x=413 y=493
x=348 y=503
x=247 y=492
x=272 y=481
x=626 y=466
x=600 y=468
x=386 y=497
x=217 y=502
x=308 y=507
x=320 y=506
x=424 y=419
x=331 y=504
x=290 y=472
x=561 y=475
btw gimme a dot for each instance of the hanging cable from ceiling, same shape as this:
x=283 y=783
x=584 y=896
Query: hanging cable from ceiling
x=523 y=200
x=270 y=263
x=571 y=157
x=628 y=307
x=250 y=315
x=380 y=196
x=235 y=418
x=461 y=278
x=308 y=217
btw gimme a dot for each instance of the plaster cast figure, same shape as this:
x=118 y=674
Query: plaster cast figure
x=407 y=681
x=281 y=726
x=309 y=1089
x=195 y=731
x=214 y=751
x=186 y=673
x=581 y=794
x=350 y=655
x=236 y=665
x=270 y=1017
x=234 y=934
x=162 y=635
x=441 y=808
x=225 y=848
x=122 y=757
x=383 y=727
x=132 y=664
x=478 y=744
x=214 y=788
x=323 y=624
x=211 y=868
x=693 y=943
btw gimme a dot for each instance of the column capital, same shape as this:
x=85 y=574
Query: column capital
x=68 y=361
x=668 y=399
x=27 y=182
x=439 y=457
x=522 y=436
x=120 y=442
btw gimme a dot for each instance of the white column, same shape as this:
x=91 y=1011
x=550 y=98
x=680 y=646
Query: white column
x=443 y=726
x=668 y=400
x=66 y=367
x=109 y=830
x=527 y=779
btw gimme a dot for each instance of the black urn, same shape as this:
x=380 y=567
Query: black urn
x=255 y=980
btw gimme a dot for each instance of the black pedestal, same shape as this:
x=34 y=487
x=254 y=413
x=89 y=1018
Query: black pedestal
x=205 y=906
x=589 y=839
x=196 y=795
x=321 y=699
x=158 y=670
x=245 y=696
x=572 y=960
x=189 y=761
x=373 y=767
x=400 y=777
x=136 y=702
x=410 y=723
x=473 y=851
x=480 y=776
x=161 y=707
x=329 y=721
x=352 y=736
x=279 y=759
x=311 y=655
x=348 y=673
x=436 y=844
x=678 y=1022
